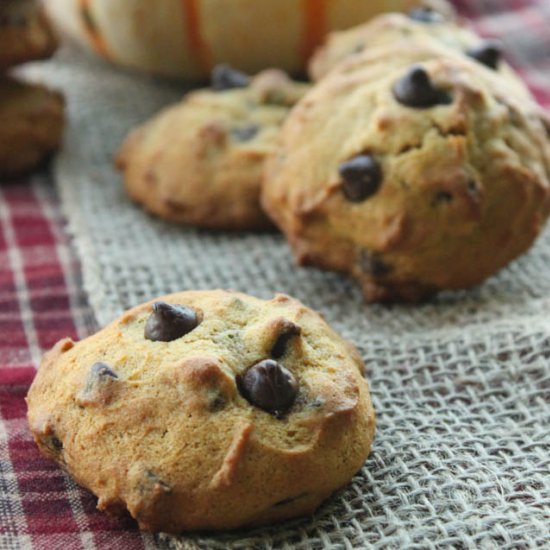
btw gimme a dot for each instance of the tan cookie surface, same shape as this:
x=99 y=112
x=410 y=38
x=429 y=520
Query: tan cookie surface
x=32 y=125
x=390 y=28
x=166 y=430
x=25 y=34
x=200 y=162
x=442 y=196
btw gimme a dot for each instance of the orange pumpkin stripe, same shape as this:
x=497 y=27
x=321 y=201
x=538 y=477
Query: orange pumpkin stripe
x=195 y=41
x=314 y=26
x=94 y=34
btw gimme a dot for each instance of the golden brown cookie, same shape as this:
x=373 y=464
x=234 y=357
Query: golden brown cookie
x=420 y=23
x=200 y=162
x=414 y=171
x=31 y=127
x=25 y=34
x=206 y=410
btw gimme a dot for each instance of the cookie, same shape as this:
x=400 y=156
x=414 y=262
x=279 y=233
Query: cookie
x=206 y=410
x=415 y=172
x=200 y=162
x=25 y=34
x=420 y=23
x=32 y=125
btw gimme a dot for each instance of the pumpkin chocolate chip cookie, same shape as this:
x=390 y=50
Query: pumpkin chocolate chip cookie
x=206 y=410
x=200 y=162
x=414 y=170
x=32 y=125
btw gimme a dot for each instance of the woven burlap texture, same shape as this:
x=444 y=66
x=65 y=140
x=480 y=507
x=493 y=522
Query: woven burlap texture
x=461 y=385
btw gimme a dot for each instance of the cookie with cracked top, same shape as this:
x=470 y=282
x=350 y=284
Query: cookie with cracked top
x=31 y=128
x=244 y=412
x=413 y=169
x=200 y=162
x=25 y=34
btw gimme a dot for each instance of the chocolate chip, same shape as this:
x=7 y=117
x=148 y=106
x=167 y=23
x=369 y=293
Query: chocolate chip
x=225 y=77
x=443 y=196
x=53 y=443
x=415 y=89
x=372 y=264
x=361 y=177
x=426 y=14
x=169 y=322
x=288 y=331
x=472 y=187
x=152 y=481
x=100 y=370
x=488 y=53
x=269 y=386
x=245 y=133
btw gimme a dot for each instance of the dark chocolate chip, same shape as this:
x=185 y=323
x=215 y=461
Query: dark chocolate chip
x=53 y=443
x=102 y=371
x=415 y=89
x=488 y=53
x=152 y=481
x=472 y=187
x=169 y=322
x=288 y=331
x=217 y=404
x=443 y=197
x=426 y=14
x=372 y=264
x=269 y=386
x=245 y=133
x=361 y=177
x=225 y=77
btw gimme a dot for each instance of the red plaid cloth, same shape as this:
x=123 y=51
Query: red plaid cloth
x=41 y=301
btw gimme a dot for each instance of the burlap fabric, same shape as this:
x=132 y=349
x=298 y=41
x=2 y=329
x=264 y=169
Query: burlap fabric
x=461 y=385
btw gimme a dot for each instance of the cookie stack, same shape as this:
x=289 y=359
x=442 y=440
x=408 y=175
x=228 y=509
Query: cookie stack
x=32 y=115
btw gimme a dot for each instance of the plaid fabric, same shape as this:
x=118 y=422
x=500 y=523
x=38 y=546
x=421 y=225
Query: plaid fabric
x=41 y=301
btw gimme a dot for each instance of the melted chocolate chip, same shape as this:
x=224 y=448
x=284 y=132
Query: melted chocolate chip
x=169 y=322
x=443 y=197
x=269 y=386
x=102 y=371
x=53 y=443
x=415 y=89
x=361 y=177
x=152 y=482
x=372 y=264
x=472 y=187
x=288 y=331
x=488 y=53
x=225 y=77
x=426 y=14
x=245 y=133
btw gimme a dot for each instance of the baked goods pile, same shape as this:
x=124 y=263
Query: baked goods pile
x=32 y=115
x=417 y=162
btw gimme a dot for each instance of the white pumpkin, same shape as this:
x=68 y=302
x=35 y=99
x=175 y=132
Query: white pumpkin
x=185 y=38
